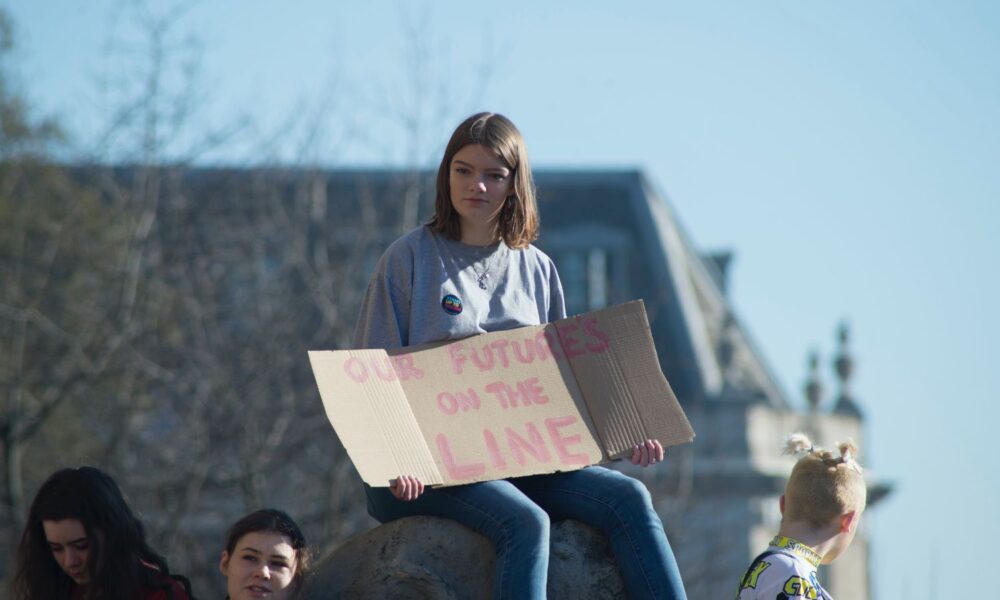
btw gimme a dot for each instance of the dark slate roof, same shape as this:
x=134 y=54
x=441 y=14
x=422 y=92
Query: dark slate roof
x=706 y=352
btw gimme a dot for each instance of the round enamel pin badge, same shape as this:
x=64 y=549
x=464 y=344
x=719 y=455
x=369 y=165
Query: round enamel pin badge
x=451 y=304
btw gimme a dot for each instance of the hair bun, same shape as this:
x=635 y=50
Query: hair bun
x=797 y=443
x=849 y=453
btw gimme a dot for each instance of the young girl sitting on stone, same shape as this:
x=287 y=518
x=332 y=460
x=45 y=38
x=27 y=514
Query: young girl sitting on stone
x=821 y=509
x=473 y=269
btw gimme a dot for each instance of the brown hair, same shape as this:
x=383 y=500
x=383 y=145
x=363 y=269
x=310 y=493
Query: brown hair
x=518 y=220
x=272 y=520
x=822 y=486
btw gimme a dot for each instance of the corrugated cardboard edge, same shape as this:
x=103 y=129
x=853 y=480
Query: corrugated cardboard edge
x=634 y=402
x=399 y=447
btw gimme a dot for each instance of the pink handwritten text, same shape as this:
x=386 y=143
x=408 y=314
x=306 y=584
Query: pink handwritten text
x=523 y=445
x=451 y=403
x=385 y=368
x=525 y=393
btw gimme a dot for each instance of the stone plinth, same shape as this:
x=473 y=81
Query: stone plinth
x=431 y=558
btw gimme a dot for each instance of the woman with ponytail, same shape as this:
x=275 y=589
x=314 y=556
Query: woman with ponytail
x=820 y=512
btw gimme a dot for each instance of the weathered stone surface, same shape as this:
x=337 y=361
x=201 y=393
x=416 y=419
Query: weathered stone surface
x=428 y=558
x=581 y=564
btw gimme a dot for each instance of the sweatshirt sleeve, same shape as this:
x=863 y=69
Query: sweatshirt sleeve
x=384 y=319
x=557 y=302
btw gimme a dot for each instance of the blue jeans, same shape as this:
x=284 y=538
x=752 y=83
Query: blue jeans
x=514 y=514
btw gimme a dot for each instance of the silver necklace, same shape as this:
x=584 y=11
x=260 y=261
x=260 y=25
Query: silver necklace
x=482 y=277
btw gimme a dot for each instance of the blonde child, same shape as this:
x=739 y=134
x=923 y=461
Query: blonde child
x=821 y=508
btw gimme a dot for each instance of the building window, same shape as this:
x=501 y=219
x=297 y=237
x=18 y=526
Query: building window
x=584 y=275
x=593 y=265
x=597 y=278
x=573 y=272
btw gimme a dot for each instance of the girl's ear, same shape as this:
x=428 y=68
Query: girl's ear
x=224 y=563
x=849 y=521
x=781 y=504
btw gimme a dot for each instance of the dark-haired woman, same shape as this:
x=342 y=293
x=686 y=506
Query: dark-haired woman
x=265 y=557
x=472 y=269
x=82 y=542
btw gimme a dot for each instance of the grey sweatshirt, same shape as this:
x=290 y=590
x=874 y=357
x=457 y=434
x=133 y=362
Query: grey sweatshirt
x=427 y=288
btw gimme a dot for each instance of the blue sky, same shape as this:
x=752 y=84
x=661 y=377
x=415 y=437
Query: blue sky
x=845 y=150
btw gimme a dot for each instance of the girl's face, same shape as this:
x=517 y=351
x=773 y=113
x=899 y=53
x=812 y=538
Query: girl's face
x=262 y=566
x=70 y=547
x=479 y=183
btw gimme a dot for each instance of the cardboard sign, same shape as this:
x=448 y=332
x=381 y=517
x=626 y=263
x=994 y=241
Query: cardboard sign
x=555 y=397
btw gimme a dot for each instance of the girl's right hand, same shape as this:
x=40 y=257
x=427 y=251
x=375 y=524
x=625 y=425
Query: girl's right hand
x=647 y=453
x=406 y=488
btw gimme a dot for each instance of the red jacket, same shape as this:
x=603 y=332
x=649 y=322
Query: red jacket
x=166 y=588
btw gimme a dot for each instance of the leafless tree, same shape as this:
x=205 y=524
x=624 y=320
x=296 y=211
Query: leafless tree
x=157 y=315
x=64 y=311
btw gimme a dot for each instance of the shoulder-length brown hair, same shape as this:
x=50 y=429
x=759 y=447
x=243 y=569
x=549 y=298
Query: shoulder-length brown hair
x=518 y=219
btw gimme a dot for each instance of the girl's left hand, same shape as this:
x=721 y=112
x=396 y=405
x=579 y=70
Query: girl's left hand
x=647 y=453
